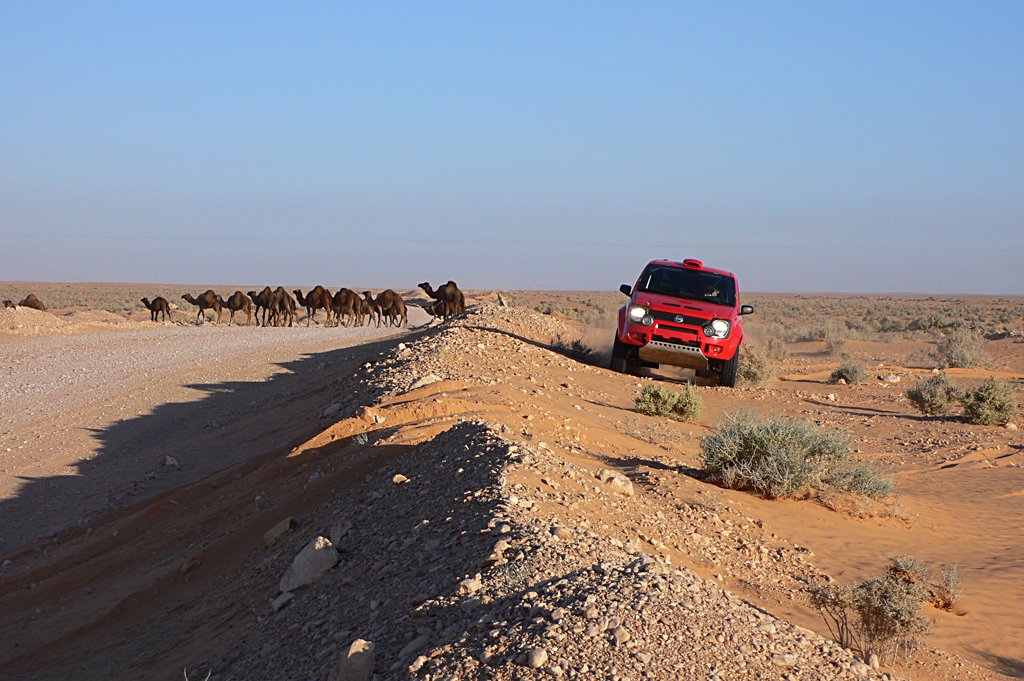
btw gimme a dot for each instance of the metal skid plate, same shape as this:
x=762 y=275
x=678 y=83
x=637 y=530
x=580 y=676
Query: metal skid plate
x=672 y=354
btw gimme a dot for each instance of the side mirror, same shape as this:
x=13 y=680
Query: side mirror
x=627 y=289
x=746 y=309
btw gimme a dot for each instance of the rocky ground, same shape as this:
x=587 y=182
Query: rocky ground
x=477 y=506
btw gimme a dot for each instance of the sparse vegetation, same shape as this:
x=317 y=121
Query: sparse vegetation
x=880 y=615
x=946 y=593
x=781 y=457
x=851 y=372
x=961 y=349
x=754 y=368
x=656 y=400
x=574 y=348
x=991 y=403
x=934 y=396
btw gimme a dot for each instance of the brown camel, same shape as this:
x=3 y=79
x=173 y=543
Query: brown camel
x=157 y=307
x=282 y=307
x=9 y=304
x=451 y=298
x=206 y=301
x=262 y=300
x=346 y=303
x=389 y=304
x=367 y=310
x=238 y=302
x=318 y=298
x=33 y=302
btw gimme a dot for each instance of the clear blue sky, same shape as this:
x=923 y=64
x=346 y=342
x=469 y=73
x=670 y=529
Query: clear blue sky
x=816 y=146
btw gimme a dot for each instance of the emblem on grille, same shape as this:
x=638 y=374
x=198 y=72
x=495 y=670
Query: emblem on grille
x=679 y=319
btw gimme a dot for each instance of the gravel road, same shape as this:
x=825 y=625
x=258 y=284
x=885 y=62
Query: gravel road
x=92 y=417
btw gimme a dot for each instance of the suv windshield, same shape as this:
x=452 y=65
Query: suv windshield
x=691 y=284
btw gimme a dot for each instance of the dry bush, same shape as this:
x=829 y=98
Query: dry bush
x=781 y=457
x=851 y=372
x=935 y=395
x=754 y=369
x=961 y=349
x=991 y=403
x=880 y=615
x=656 y=400
x=944 y=595
x=574 y=348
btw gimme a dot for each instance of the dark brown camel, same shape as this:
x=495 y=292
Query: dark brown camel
x=451 y=298
x=33 y=302
x=206 y=301
x=238 y=302
x=159 y=306
x=389 y=304
x=365 y=312
x=318 y=298
x=262 y=300
x=346 y=303
x=282 y=306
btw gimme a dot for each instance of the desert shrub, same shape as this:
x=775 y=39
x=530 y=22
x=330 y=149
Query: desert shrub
x=935 y=395
x=961 y=349
x=947 y=591
x=656 y=400
x=851 y=372
x=776 y=349
x=574 y=348
x=889 y=614
x=781 y=457
x=754 y=368
x=991 y=403
x=878 y=615
x=865 y=480
x=908 y=569
x=835 y=346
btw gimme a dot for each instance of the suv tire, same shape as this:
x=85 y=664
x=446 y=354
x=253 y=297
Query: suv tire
x=625 y=358
x=727 y=378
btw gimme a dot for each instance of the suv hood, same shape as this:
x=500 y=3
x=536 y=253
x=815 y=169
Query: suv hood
x=697 y=308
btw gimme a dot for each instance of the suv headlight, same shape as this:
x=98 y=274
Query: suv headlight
x=718 y=328
x=637 y=312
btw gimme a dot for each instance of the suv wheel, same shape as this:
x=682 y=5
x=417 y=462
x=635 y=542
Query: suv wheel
x=625 y=358
x=727 y=378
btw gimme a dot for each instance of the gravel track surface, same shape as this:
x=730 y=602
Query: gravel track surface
x=93 y=417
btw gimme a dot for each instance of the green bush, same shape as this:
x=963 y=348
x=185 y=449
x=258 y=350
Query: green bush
x=934 y=396
x=851 y=372
x=781 y=457
x=754 y=369
x=960 y=349
x=991 y=403
x=656 y=400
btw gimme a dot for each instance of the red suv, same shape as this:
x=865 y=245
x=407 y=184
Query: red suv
x=682 y=314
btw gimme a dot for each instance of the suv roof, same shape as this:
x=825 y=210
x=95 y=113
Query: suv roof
x=690 y=264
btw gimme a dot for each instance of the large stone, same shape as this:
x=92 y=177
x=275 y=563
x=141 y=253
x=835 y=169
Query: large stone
x=355 y=664
x=310 y=564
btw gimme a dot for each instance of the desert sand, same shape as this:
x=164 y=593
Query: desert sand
x=499 y=510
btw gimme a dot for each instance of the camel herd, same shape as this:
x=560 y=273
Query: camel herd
x=278 y=307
